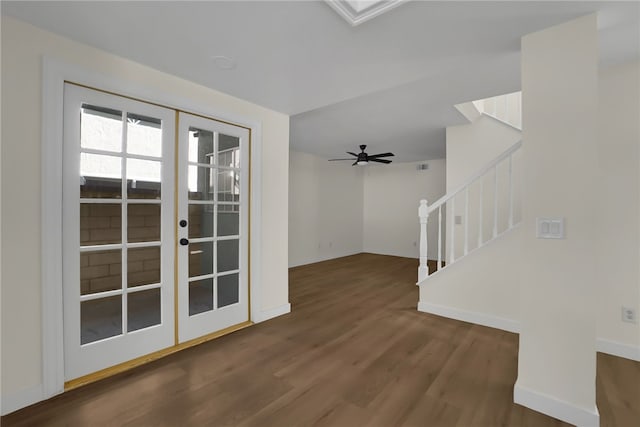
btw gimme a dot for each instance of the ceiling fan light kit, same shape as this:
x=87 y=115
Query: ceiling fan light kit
x=362 y=158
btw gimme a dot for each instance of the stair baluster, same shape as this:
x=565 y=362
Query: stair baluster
x=449 y=201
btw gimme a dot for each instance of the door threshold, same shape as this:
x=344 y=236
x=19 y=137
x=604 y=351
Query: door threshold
x=142 y=360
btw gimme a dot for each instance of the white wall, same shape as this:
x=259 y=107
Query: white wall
x=471 y=146
x=325 y=209
x=558 y=285
x=22 y=49
x=337 y=210
x=618 y=200
x=391 y=198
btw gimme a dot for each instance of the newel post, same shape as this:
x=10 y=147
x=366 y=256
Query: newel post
x=423 y=214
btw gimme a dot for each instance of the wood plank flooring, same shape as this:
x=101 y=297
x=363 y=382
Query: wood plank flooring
x=354 y=352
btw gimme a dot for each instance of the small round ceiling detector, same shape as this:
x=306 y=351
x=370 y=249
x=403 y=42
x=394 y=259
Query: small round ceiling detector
x=224 y=62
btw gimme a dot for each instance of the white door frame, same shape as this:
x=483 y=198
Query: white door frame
x=54 y=75
x=218 y=318
x=83 y=359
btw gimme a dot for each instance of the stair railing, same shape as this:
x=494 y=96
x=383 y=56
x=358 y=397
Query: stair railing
x=424 y=210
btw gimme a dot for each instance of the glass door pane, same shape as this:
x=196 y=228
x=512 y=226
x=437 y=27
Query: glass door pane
x=101 y=177
x=213 y=199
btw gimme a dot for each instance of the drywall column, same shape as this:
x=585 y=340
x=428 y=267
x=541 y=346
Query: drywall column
x=557 y=358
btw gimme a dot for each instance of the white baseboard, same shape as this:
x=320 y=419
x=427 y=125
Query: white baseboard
x=618 y=349
x=265 y=315
x=326 y=257
x=21 y=399
x=556 y=408
x=471 y=316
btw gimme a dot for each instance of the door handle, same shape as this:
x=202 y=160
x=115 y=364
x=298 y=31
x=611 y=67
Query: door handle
x=184 y=242
x=183 y=223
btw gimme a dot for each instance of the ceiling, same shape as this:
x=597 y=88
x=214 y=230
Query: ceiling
x=390 y=82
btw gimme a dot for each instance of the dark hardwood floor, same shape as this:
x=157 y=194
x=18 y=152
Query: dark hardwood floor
x=354 y=352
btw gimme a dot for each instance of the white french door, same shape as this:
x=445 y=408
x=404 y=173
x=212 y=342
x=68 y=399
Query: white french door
x=118 y=227
x=213 y=228
x=123 y=290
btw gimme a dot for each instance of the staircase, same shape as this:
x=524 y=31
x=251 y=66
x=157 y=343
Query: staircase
x=470 y=237
x=474 y=236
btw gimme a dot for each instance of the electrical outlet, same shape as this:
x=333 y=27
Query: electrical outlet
x=629 y=315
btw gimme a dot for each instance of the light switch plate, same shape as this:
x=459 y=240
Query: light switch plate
x=550 y=228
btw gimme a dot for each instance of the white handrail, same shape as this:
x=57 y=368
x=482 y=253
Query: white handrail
x=442 y=200
x=425 y=209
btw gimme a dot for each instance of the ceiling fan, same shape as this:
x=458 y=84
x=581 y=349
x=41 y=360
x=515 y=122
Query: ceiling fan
x=363 y=158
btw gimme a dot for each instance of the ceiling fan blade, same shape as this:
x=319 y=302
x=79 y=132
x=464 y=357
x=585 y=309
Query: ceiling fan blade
x=374 y=156
x=353 y=154
x=379 y=160
x=335 y=160
x=355 y=163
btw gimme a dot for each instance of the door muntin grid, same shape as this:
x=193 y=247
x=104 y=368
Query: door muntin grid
x=120 y=222
x=214 y=226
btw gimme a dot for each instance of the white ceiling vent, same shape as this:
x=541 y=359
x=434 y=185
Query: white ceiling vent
x=358 y=11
